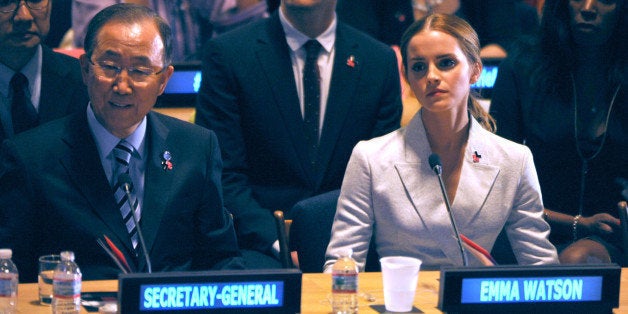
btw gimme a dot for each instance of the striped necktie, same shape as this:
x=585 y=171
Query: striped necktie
x=122 y=153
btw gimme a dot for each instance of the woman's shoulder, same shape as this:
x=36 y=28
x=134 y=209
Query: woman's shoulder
x=507 y=149
x=386 y=143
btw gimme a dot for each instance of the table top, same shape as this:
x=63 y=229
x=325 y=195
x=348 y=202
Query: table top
x=315 y=293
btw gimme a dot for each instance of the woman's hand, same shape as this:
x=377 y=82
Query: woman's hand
x=601 y=224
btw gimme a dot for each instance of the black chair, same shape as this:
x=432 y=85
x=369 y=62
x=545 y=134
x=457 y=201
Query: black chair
x=622 y=207
x=502 y=251
x=310 y=232
x=282 y=232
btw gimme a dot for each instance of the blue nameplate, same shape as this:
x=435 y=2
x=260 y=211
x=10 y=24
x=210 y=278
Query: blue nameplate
x=242 y=291
x=565 y=288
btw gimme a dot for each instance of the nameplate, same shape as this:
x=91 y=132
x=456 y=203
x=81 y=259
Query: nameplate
x=232 y=291
x=587 y=288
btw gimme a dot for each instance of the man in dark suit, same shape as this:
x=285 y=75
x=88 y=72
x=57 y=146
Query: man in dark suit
x=59 y=183
x=252 y=96
x=53 y=88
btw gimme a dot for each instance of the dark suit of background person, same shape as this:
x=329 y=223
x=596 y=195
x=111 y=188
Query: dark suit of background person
x=386 y=20
x=61 y=89
x=55 y=193
x=248 y=96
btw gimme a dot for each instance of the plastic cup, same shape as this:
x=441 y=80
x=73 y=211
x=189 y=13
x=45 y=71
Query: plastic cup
x=400 y=275
x=109 y=308
x=47 y=265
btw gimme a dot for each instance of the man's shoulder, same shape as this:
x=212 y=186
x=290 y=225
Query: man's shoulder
x=180 y=127
x=46 y=140
x=348 y=32
x=240 y=35
x=60 y=63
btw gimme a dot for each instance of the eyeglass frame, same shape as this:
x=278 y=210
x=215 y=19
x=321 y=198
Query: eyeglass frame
x=129 y=70
x=18 y=3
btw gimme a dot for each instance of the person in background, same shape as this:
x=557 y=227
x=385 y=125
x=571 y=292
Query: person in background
x=61 y=185
x=287 y=126
x=192 y=21
x=492 y=19
x=36 y=84
x=390 y=193
x=565 y=95
x=60 y=22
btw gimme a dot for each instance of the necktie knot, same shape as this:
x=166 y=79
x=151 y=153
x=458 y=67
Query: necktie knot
x=312 y=49
x=18 y=82
x=122 y=152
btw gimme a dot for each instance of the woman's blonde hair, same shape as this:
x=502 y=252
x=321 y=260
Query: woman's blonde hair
x=469 y=43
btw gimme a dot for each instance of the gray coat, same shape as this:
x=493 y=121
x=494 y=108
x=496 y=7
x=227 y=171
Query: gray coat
x=390 y=191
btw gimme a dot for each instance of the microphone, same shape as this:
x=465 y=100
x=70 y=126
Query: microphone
x=437 y=167
x=127 y=186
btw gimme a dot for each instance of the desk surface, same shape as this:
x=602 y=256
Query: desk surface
x=314 y=295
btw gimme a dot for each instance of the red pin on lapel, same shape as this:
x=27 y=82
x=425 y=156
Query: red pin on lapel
x=351 y=62
x=166 y=162
x=476 y=157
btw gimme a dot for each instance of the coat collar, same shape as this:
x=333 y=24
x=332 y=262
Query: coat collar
x=421 y=184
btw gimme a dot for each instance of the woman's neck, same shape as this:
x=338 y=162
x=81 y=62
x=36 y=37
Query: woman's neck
x=447 y=132
x=592 y=56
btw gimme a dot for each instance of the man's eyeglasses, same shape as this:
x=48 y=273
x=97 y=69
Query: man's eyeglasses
x=109 y=70
x=10 y=6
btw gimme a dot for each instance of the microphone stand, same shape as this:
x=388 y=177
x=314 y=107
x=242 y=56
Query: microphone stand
x=127 y=185
x=438 y=168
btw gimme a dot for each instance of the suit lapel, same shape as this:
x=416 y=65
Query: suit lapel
x=344 y=80
x=273 y=55
x=423 y=188
x=85 y=171
x=53 y=83
x=478 y=174
x=158 y=181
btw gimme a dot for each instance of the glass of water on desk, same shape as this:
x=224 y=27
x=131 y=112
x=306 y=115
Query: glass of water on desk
x=47 y=265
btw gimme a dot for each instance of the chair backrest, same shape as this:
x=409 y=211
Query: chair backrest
x=284 y=253
x=312 y=220
x=622 y=207
x=502 y=251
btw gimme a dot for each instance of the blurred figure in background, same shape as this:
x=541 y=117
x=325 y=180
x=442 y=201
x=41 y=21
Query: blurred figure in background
x=36 y=84
x=192 y=21
x=492 y=19
x=565 y=95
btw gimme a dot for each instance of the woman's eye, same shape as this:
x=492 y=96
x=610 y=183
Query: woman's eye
x=419 y=67
x=447 y=63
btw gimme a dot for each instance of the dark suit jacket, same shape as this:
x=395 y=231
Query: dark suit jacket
x=55 y=196
x=62 y=88
x=248 y=97
x=495 y=21
x=385 y=20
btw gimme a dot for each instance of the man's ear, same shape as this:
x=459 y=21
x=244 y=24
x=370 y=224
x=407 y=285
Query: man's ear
x=166 y=74
x=84 y=61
